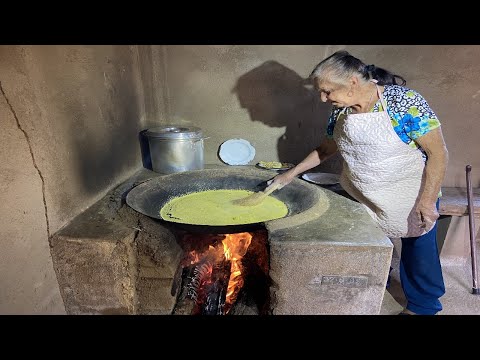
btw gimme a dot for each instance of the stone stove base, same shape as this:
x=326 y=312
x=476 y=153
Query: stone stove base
x=113 y=260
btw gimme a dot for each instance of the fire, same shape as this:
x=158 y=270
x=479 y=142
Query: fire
x=215 y=267
x=235 y=247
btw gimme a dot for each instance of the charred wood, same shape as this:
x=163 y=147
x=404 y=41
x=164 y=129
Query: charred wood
x=216 y=291
x=185 y=304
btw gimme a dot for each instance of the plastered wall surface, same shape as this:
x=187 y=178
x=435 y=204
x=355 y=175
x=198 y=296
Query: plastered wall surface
x=252 y=92
x=27 y=279
x=70 y=118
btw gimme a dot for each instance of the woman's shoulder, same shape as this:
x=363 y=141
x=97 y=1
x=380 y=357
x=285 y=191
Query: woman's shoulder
x=401 y=98
x=403 y=101
x=399 y=90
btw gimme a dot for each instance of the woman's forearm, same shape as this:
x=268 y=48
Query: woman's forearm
x=436 y=166
x=316 y=157
x=324 y=151
x=434 y=174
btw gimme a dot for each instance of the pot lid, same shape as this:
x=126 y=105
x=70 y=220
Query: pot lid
x=175 y=132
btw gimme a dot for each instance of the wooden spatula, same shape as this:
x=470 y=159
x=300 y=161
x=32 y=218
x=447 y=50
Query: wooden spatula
x=256 y=198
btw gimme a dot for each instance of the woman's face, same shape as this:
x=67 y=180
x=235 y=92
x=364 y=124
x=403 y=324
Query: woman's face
x=336 y=94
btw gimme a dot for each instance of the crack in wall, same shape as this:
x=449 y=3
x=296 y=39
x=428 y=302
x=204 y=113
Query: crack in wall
x=19 y=126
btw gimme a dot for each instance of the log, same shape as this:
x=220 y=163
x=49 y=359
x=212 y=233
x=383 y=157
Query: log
x=185 y=304
x=216 y=293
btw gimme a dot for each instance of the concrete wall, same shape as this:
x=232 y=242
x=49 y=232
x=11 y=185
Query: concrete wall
x=250 y=92
x=70 y=119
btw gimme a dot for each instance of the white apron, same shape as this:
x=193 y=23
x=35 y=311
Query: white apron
x=381 y=171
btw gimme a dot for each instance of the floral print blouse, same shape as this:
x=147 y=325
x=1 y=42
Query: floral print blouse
x=409 y=112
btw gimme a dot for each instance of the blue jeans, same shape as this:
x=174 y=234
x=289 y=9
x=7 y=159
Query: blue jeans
x=421 y=273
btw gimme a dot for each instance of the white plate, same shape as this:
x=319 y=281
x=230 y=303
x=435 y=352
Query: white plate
x=322 y=178
x=236 y=152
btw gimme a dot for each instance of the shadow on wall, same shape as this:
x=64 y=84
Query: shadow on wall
x=278 y=97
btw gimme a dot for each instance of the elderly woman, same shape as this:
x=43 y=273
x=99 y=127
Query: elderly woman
x=394 y=158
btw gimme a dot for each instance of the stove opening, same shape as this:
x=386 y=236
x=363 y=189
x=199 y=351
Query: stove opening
x=223 y=274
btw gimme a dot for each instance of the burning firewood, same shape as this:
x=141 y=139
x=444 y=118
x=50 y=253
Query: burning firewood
x=216 y=292
x=185 y=304
x=213 y=278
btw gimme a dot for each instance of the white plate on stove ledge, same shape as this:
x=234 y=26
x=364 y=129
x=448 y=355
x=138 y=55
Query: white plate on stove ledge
x=236 y=152
x=322 y=178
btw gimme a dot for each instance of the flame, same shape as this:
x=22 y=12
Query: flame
x=235 y=246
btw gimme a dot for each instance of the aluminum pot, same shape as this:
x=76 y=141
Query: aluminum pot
x=175 y=148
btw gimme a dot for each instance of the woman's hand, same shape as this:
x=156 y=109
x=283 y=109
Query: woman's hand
x=281 y=179
x=427 y=214
x=326 y=149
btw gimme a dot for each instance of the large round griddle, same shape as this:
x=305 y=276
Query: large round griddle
x=149 y=197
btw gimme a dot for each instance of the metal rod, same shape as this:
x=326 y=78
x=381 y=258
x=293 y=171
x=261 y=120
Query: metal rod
x=471 y=223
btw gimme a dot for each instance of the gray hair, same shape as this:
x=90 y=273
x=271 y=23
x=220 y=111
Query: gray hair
x=341 y=66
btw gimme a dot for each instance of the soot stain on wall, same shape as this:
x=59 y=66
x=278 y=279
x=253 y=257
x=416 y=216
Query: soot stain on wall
x=106 y=149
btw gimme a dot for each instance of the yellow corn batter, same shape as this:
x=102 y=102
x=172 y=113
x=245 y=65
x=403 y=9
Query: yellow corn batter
x=216 y=208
